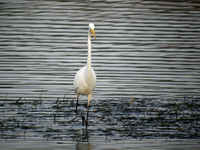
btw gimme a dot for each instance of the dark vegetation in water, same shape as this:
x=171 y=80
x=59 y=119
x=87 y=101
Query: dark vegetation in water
x=115 y=119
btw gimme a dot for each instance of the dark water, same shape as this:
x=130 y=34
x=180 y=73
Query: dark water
x=146 y=57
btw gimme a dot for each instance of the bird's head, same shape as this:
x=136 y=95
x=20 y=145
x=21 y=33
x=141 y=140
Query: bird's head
x=92 y=30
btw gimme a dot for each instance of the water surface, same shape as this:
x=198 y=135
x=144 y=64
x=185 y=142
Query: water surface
x=146 y=57
x=143 y=48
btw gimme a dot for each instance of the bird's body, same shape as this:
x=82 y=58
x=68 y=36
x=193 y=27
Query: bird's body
x=84 y=81
x=85 y=78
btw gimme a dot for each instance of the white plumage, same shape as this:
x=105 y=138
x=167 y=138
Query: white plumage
x=85 y=81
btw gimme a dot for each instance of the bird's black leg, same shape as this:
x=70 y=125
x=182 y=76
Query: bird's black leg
x=77 y=103
x=88 y=106
x=83 y=119
x=86 y=121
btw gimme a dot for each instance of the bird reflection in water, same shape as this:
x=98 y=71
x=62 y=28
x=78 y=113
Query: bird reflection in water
x=84 y=146
x=83 y=141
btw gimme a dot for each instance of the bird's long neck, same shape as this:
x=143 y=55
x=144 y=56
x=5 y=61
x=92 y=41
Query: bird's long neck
x=89 y=52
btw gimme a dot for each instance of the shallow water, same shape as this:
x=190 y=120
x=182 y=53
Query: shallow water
x=41 y=120
x=146 y=57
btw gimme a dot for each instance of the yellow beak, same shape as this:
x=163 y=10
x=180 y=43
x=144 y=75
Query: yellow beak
x=92 y=31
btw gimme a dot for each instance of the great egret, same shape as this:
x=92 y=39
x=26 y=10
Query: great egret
x=85 y=78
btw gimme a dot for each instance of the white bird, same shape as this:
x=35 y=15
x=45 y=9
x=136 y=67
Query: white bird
x=85 y=78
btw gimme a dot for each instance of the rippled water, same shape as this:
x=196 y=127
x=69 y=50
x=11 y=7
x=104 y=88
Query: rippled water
x=144 y=49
